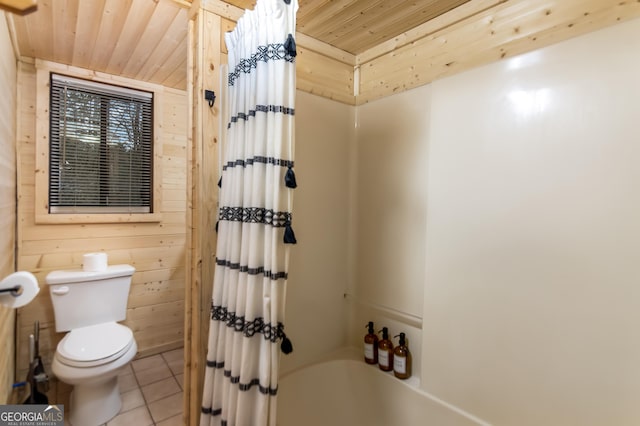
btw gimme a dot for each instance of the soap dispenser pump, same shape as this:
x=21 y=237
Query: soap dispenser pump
x=371 y=345
x=385 y=351
x=402 y=359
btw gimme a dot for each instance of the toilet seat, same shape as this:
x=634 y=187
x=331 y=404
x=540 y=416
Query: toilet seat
x=94 y=345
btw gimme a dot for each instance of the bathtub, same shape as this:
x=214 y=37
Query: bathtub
x=351 y=392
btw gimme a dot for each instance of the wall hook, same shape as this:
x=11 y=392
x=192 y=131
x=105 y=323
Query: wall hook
x=210 y=96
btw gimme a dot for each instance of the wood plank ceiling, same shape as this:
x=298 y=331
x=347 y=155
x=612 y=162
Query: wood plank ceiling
x=147 y=39
x=358 y=25
x=140 y=39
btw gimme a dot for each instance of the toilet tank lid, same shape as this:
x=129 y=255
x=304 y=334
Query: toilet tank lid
x=78 y=275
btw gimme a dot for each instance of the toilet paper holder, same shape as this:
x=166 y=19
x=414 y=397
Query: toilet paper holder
x=22 y=286
x=15 y=291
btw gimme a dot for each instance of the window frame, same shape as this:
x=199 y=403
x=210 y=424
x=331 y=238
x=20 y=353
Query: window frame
x=42 y=214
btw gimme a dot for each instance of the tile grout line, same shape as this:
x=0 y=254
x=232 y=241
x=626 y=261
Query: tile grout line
x=144 y=398
x=146 y=404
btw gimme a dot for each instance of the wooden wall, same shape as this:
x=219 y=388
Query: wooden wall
x=324 y=70
x=203 y=74
x=477 y=33
x=156 y=249
x=321 y=69
x=7 y=202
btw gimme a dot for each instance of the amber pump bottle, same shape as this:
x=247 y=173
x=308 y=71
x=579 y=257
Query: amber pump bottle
x=402 y=359
x=385 y=351
x=370 y=345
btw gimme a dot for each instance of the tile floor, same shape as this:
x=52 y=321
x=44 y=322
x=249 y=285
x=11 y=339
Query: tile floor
x=152 y=390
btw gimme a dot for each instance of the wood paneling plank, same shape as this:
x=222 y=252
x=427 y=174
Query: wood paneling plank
x=436 y=24
x=166 y=48
x=9 y=106
x=87 y=27
x=111 y=25
x=163 y=16
x=65 y=17
x=137 y=20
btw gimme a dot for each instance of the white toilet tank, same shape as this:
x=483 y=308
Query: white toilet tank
x=82 y=298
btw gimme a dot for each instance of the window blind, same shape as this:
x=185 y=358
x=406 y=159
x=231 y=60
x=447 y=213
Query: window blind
x=101 y=148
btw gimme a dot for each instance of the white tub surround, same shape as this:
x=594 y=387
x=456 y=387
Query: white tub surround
x=351 y=392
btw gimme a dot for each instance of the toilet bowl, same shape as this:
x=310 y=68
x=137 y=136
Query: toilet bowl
x=96 y=347
x=89 y=358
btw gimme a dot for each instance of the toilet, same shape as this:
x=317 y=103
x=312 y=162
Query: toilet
x=88 y=305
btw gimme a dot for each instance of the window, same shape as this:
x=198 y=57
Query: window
x=100 y=148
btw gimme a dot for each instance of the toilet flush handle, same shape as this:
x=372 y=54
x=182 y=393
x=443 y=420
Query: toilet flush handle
x=60 y=291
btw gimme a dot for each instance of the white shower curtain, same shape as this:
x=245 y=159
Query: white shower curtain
x=254 y=224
